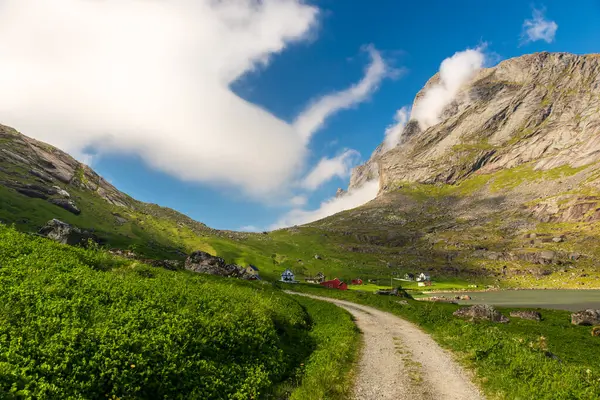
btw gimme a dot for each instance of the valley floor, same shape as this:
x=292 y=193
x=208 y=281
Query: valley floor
x=399 y=360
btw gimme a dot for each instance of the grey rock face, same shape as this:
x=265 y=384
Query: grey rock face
x=481 y=312
x=530 y=315
x=68 y=205
x=539 y=108
x=586 y=317
x=66 y=234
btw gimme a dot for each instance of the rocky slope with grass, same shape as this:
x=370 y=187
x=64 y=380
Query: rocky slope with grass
x=506 y=186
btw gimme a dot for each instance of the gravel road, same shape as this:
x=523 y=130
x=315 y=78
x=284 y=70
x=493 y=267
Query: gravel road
x=400 y=361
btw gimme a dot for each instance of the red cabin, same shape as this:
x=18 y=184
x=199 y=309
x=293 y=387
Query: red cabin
x=357 y=281
x=335 y=284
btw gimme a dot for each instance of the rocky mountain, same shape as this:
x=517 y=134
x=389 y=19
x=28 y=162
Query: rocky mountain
x=541 y=109
x=506 y=185
x=39 y=182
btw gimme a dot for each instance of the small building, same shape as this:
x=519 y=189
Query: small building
x=423 y=277
x=252 y=272
x=409 y=277
x=335 y=284
x=357 y=281
x=287 y=276
x=320 y=277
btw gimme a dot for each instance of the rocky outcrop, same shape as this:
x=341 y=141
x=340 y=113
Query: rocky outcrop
x=481 y=312
x=204 y=263
x=586 y=317
x=67 y=234
x=50 y=165
x=530 y=315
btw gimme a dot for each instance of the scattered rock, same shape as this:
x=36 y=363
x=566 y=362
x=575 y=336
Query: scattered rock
x=42 y=175
x=34 y=194
x=61 y=192
x=205 y=263
x=67 y=234
x=530 y=315
x=481 y=312
x=68 y=205
x=558 y=239
x=586 y=317
x=596 y=331
x=317 y=257
x=465 y=297
x=402 y=302
x=172 y=265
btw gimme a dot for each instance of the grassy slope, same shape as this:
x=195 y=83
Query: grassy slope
x=80 y=323
x=509 y=359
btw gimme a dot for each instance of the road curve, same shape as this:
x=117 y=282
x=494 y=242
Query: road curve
x=400 y=361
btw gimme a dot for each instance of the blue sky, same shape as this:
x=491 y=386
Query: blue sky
x=327 y=54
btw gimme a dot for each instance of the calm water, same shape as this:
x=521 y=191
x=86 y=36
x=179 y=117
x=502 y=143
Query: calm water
x=572 y=300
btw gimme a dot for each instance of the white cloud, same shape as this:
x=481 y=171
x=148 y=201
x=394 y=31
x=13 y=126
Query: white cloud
x=538 y=28
x=328 y=168
x=313 y=118
x=352 y=199
x=152 y=78
x=298 y=201
x=394 y=132
x=454 y=72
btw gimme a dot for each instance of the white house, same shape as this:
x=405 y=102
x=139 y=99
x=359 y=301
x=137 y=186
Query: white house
x=288 y=276
x=423 y=277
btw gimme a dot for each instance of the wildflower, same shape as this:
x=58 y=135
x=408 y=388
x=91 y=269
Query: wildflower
x=132 y=365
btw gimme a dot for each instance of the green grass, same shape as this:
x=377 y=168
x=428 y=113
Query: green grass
x=79 y=323
x=509 y=359
x=329 y=371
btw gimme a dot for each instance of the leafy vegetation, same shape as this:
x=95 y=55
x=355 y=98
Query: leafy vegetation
x=551 y=359
x=78 y=323
x=328 y=372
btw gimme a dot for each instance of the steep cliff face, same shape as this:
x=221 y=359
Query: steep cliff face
x=542 y=109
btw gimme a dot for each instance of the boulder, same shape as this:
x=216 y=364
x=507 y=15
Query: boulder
x=68 y=205
x=67 y=234
x=204 y=263
x=481 y=312
x=61 y=192
x=586 y=317
x=530 y=315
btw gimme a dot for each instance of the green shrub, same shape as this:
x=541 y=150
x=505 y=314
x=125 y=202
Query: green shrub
x=78 y=323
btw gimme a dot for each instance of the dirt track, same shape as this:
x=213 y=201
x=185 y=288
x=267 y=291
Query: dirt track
x=399 y=361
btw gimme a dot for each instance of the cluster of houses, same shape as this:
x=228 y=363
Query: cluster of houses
x=422 y=279
x=287 y=276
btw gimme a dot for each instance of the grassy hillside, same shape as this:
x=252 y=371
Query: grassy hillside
x=80 y=323
x=487 y=229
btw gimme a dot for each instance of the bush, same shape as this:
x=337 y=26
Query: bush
x=78 y=323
